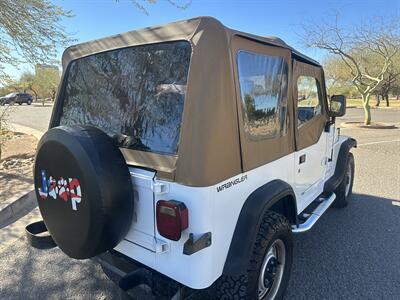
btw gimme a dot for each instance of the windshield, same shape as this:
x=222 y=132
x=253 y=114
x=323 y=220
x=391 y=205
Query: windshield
x=136 y=95
x=10 y=95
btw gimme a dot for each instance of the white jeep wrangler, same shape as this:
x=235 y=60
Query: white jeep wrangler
x=184 y=157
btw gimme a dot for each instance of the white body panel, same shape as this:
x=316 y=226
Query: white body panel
x=309 y=175
x=142 y=228
x=209 y=211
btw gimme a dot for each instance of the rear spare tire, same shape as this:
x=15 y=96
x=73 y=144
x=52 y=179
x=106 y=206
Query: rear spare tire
x=84 y=190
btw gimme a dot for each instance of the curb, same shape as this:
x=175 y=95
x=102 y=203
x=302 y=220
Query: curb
x=27 y=130
x=375 y=107
x=17 y=207
x=377 y=125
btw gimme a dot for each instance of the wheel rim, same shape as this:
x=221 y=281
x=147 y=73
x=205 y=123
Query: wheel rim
x=272 y=270
x=347 y=179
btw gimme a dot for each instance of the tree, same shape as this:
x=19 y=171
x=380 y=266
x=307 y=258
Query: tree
x=27 y=82
x=390 y=82
x=139 y=4
x=43 y=83
x=366 y=51
x=46 y=81
x=30 y=32
x=5 y=111
x=337 y=79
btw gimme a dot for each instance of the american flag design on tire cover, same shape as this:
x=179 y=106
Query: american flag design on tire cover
x=63 y=188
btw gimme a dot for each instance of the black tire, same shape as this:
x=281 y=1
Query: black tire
x=345 y=188
x=29 y=102
x=274 y=227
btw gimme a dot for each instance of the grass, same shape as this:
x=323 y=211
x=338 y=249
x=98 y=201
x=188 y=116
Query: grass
x=358 y=102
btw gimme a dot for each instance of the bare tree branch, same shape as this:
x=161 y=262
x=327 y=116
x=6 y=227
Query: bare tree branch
x=366 y=51
x=140 y=4
x=30 y=32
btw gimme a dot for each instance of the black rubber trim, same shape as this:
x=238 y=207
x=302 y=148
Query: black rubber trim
x=36 y=238
x=127 y=273
x=249 y=222
x=332 y=183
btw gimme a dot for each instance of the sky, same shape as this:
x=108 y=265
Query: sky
x=96 y=19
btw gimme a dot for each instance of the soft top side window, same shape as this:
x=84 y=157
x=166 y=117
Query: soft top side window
x=263 y=81
x=308 y=99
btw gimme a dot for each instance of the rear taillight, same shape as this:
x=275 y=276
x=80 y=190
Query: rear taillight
x=172 y=219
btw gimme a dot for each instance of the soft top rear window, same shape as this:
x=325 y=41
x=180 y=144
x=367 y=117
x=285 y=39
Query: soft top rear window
x=136 y=95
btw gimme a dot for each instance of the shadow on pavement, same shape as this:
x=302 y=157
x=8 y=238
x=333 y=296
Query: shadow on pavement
x=353 y=253
x=28 y=273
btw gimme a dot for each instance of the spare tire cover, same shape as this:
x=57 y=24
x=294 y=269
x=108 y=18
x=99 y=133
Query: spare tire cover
x=84 y=190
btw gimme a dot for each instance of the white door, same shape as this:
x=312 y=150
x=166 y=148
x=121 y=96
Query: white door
x=311 y=140
x=310 y=169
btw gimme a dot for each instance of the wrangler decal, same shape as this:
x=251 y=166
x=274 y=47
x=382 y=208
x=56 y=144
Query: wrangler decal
x=231 y=183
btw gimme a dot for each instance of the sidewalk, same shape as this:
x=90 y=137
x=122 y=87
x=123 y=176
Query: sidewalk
x=15 y=208
x=16 y=230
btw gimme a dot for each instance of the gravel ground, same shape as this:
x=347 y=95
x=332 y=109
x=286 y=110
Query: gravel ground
x=16 y=165
x=350 y=254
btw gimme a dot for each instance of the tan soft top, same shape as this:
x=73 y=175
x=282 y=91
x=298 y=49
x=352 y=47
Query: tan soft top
x=180 y=30
x=209 y=149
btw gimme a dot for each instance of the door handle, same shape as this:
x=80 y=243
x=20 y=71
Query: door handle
x=302 y=159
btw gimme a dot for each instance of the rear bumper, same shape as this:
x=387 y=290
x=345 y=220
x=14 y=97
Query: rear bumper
x=117 y=264
x=130 y=275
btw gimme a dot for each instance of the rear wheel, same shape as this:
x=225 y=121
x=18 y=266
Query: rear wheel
x=269 y=267
x=344 y=190
x=29 y=102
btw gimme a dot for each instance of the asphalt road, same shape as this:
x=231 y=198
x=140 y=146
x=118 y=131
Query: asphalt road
x=352 y=253
x=35 y=116
x=377 y=115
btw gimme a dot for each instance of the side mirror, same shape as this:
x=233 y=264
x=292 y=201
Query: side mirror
x=338 y=106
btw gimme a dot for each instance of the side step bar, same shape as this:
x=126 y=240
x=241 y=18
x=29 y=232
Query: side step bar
x=315 y=215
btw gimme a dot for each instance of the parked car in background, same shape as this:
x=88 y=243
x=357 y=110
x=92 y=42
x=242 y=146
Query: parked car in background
x=17 y=98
